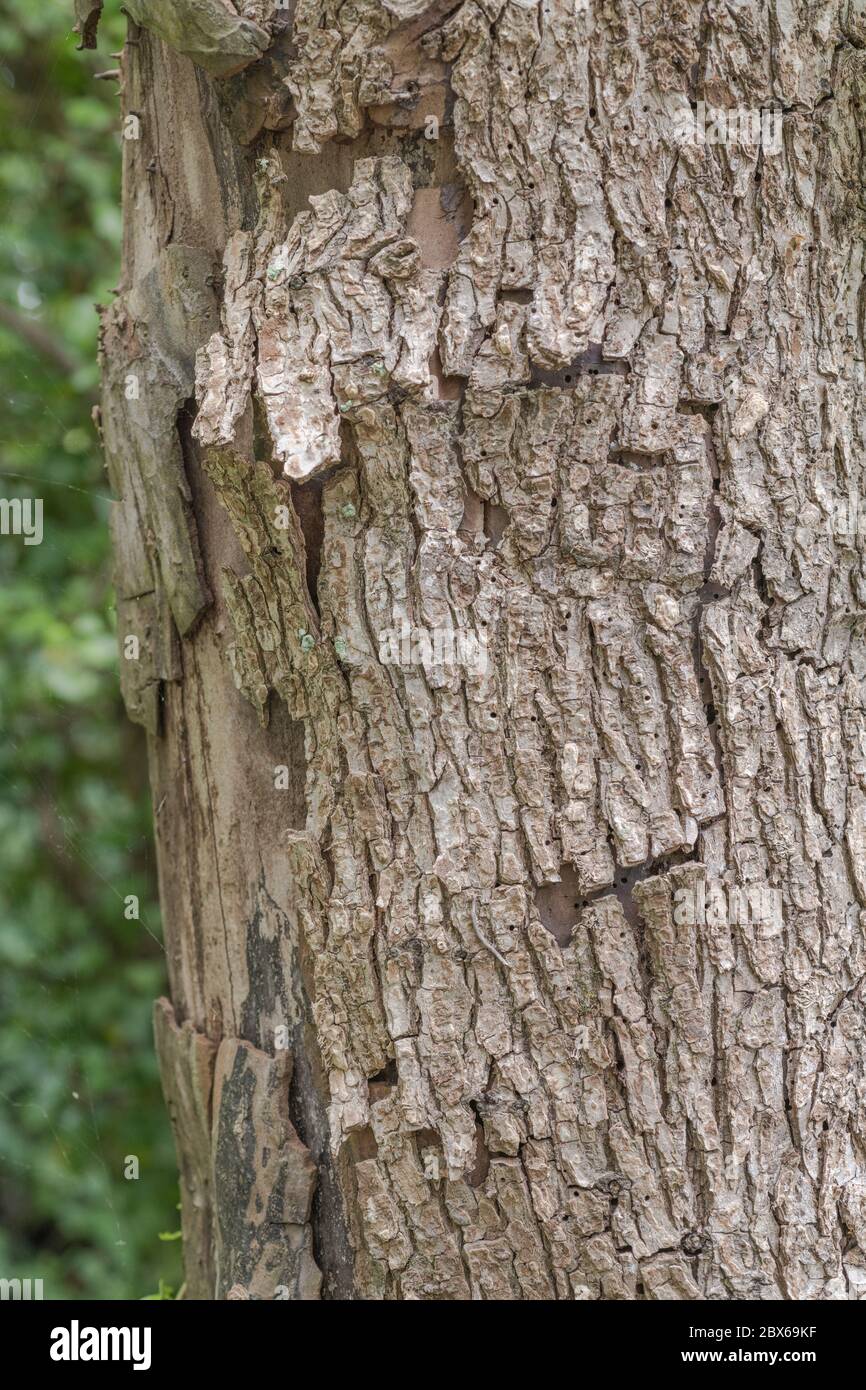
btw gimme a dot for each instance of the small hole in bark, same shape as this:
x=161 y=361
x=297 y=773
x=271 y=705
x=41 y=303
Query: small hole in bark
x=826 y=1125
x=386 y=1077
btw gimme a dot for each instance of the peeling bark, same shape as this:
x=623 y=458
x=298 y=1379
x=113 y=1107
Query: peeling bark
x=210 y=32
x=447 y=323
x=87 y=13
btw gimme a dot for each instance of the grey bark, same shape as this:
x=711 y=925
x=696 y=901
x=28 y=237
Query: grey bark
x=544 y=964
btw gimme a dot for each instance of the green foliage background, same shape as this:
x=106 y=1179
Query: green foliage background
x=78 y=1081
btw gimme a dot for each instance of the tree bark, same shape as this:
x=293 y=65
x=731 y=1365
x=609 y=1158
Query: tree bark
x=483 y=400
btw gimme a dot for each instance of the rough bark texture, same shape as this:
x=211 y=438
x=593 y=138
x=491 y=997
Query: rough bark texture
x=438 y=320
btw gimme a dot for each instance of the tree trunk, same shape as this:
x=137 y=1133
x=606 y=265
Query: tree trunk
x=483 y=399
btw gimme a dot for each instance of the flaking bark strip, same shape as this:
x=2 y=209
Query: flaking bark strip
x=210 y=32
x=87 y=13
x=148 y=343
x=146 y=621
x=263 y=1180
x=186 y=1064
